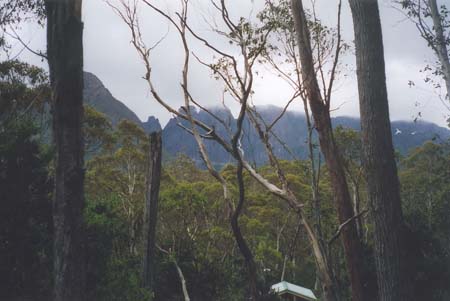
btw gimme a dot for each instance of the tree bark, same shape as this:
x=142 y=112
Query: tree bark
x=151 y=209
x=320 y=111
x=378 y=153
x=240 y=240
x=440 y=45
x=65 y=57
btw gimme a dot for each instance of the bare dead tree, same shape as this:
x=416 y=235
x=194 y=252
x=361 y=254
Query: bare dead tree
x=151 y=209
x=65 y=58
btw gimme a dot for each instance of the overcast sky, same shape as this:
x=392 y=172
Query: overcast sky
x=109 y=55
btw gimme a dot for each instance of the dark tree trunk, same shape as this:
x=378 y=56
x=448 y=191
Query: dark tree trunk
x=151 y=209
x=65 y=57
x=378 y=153
x=240 y=240
x=320 y=111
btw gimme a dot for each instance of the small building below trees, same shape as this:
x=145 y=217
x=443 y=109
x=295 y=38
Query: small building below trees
x=291 y=292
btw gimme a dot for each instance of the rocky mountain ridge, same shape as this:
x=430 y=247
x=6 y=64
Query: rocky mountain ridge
x=291 y=129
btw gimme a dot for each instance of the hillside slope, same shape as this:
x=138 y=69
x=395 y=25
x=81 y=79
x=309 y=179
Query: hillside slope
x=96 y=95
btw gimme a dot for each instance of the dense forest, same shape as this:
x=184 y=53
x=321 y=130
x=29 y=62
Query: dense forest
x=97 y=205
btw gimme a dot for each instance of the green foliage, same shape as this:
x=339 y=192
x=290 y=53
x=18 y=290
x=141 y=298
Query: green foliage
x=123 y=281
x=425 y=177
x=25 y=212
x=349 y=143
x=193 y=225
x=113 y=271
x=97 y=131
x=24 y=90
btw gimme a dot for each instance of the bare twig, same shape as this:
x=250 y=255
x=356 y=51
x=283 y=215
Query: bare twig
x=343 y=225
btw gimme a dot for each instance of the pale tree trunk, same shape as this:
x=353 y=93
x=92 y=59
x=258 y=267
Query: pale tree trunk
x=173 y=259
x=328 y=283
x=357 y=209
x=183 y=281
x=440 y=44
x=65 y=57
x=320 y=111
x=378 y=154
x=151 y=209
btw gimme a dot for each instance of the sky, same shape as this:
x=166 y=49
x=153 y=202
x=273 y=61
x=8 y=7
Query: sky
x=109 y=54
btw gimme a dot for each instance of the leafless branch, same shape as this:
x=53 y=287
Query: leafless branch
x=14 y=35
x=343 y=225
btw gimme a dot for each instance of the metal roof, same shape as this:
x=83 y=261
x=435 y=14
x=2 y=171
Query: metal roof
x=286 y=287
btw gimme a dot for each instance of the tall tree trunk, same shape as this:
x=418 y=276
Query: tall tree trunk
x=378 y=153
x=440 y=44
x=151 y=209
x=320 y=110
x=65 y=57
x=240 y=240
x=330 y=285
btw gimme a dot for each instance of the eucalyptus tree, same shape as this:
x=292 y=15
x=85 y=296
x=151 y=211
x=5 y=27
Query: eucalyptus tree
x=378 y=154
x=320 y=108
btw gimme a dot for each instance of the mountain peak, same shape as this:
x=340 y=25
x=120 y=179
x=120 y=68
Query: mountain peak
x=96 y=95
x=152 y=125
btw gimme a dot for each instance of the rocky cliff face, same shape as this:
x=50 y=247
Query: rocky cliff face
x=291 y=129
